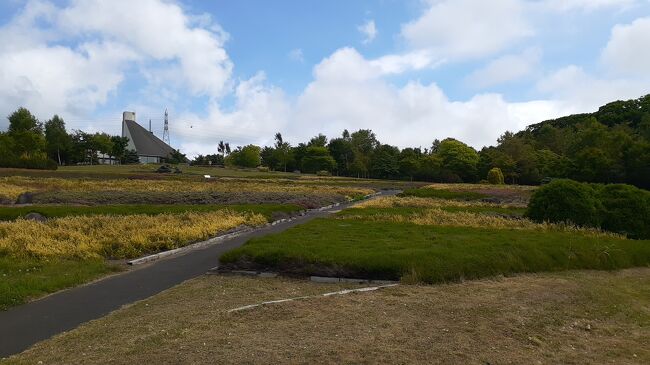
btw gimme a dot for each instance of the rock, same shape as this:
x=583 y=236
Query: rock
x=25 y=198
x=35 y=217
x=164 y=169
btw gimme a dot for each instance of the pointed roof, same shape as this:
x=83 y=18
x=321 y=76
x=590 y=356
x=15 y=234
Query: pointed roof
x=145 y=142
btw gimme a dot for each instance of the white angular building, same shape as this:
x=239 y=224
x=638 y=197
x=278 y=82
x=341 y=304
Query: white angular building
x=150 y=149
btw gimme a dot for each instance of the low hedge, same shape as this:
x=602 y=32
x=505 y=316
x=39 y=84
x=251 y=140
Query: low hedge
x=618 y=208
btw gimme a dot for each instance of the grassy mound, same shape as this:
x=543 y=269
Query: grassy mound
x=431 y=254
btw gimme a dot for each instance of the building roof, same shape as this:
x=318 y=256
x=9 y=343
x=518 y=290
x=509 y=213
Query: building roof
x=145 y=142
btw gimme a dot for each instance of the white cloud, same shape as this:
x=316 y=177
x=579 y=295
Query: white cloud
x=69 y=60
x=585 y=5
x=399 y=63
x=463 y=29
x=580 y=91
x=297 y=55
x=369 y=31
x=505 y=68
x=260 y=110
x=628 y=49
x=414 y=114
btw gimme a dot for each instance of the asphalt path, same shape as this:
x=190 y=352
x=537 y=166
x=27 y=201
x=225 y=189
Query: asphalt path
x=25 y=325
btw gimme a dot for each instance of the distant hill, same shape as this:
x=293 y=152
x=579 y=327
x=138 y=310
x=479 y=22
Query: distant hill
x=611 y=145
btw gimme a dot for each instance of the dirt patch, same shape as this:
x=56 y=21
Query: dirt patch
x=568 y=318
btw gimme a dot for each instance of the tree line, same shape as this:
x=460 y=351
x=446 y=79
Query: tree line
x=611 y=145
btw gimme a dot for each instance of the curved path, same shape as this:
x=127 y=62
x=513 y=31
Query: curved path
x=23 y=326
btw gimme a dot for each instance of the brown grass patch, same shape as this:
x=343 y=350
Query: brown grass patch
x=567 y=318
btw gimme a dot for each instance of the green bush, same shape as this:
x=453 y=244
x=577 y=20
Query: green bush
x=323 y=173
x=565 y=201
x=35 y=160
x=625 y=209
x=495 y=176
x=617 y=208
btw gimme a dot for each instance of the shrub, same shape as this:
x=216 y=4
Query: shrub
x=625 y=209
x=263 y=169
x=495 y=176
x=565 y=201
x=323 y=173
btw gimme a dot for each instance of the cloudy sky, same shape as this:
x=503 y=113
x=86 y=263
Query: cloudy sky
x=242 y=70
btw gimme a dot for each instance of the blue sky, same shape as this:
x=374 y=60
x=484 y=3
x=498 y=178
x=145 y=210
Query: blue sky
x=412 y=71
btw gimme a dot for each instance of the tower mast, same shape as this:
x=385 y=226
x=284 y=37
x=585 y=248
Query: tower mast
x=166 y=130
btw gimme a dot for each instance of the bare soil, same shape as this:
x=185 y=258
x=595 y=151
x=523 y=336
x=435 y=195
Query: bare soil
x=578 y=317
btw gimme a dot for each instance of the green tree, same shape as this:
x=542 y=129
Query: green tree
x=57 y=138
x=341 y=151
x=316 y=159
x=119 y=147
x=319 y=141
x=459 y=158
x=385 y=162
x=495 y=176
x=26 y=132
x=247 y=156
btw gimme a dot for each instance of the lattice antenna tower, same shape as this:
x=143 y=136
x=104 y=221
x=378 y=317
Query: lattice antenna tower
x=166 y=130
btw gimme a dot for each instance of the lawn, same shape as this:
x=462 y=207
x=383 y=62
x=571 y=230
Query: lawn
x=431 y=254
x=24 y=278
x=435 y=240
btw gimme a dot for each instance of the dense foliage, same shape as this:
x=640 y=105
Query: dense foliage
x=616 y=207
x=610 y=145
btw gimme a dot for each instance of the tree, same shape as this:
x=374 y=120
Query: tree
x=319 y=141
x=221 y=148
x=282 y=152
x=177 y=157
x=409 y=162
x=56 y=137
x=131 y=157
x=26 y=132
x=316 y=159
x=495 y=176
x=247 y=156
x=385 y=162
x=119 y=147
x=341 y=151
x=459 y=159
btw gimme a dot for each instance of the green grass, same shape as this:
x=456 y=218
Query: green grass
x=53 y=211
x=443 y=194
x=22 y=279
x=385 y=250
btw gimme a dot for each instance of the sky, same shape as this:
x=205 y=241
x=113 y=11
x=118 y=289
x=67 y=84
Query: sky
x=240 y=71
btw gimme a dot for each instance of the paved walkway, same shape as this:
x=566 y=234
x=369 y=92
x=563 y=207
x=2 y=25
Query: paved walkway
x=23 y=326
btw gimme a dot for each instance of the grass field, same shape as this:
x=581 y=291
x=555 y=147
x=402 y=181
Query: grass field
x=560 y=318
x=100 y=213
x=432 y=241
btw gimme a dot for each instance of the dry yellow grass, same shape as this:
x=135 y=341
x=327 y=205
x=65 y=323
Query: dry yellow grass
x=456 y=186
x=437 y=216
x=583 y=317
x=115 y=236
x=416 y=202
x=14 y=185
x=10 y=191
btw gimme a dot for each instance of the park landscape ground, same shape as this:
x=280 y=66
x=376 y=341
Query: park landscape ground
x=481 y=283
